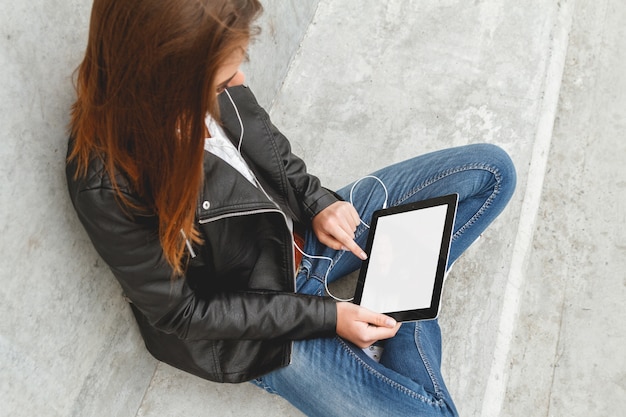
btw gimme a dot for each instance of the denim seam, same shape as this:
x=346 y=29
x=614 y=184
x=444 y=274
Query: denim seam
x=451 y=171
x=261 y=384
x=389 y=381
x=427 y=365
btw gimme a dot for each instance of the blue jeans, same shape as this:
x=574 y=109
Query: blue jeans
x=332 y=377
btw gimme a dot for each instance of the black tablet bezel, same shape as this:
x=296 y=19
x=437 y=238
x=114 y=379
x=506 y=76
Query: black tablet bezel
x=431 y=312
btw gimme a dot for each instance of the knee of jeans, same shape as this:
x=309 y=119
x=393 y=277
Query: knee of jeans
x=499 y=164
x=498 y=158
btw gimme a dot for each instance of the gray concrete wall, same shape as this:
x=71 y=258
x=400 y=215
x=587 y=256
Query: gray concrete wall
x=567 y=358
x=283 y=25
x=68 y=344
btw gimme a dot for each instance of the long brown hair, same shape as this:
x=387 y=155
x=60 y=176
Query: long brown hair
x=143 y=90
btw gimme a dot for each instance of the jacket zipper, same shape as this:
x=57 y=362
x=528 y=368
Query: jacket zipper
x=238 y=214
x=293 y=255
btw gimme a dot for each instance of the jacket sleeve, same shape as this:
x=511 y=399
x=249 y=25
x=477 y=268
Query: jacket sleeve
x=131 y=248
x=266 y=148
x=311 y=196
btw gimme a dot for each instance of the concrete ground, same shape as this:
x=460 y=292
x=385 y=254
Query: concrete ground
x=533 y=313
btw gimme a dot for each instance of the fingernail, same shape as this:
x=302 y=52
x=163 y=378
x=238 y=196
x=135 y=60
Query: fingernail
x=363 y=255
x=390 y=322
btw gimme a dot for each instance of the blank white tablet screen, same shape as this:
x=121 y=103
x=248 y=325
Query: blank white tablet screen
x=403 y=260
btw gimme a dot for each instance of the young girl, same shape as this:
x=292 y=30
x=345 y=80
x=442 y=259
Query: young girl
x=195 y=201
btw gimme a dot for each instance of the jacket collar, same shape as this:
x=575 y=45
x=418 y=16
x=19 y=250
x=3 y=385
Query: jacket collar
x=226 y=192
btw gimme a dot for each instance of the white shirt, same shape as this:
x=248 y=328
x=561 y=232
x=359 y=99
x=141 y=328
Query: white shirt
x=219 y=145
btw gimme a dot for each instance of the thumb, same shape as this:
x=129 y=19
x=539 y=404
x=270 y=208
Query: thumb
x=381 y=320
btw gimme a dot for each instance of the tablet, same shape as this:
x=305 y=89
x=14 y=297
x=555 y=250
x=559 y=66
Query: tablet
x=407 y=249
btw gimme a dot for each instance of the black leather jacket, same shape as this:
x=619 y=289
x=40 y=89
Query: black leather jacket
x=233 y=316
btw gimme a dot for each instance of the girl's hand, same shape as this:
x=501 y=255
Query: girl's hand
x=335 y=226
x=362 y=326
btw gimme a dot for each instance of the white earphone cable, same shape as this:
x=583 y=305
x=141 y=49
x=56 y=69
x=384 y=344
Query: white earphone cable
x=381 y=183
x=238 y=118
x=330 y=266
x=331 y=263
x=326 y=274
